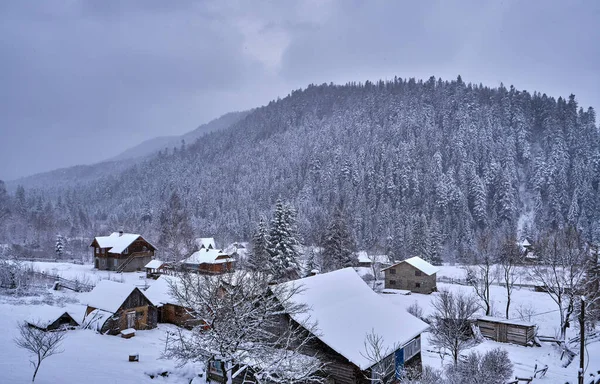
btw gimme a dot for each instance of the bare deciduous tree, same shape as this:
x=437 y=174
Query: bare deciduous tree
x=481 y=275
x=510 y=256
x=384 y=368
x=244 y=322
x=561 y=270
x=450 y=327
x=42 y=344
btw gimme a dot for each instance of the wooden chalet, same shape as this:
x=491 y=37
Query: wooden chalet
x=340 y=296
x=169 y=308
x=507 y=331
x=209 y=261
x=414 y=274
x=113 y=307
x=122 y=252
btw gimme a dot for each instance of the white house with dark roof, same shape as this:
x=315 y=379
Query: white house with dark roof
x=414 y=274
x=342 y=311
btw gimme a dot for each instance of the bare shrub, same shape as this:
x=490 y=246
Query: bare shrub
x=42 y=344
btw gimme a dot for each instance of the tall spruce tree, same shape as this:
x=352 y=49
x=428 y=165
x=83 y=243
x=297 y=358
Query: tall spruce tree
x=338 y=244
x=259 y=259
x=283 y=242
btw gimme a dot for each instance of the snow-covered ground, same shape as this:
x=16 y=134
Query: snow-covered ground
x=92 y=358
x=543 y=313
x=87 y=272
x=88 y=357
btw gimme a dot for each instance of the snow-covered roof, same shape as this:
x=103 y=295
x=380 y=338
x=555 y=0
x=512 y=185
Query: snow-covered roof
x=159 y=291
x=420 y=264
x=506 y=321
x=208 y=256
x=108 y=295
x=346 y=310
x=46 y=315
x=206 y=242
x=117 y=241
x=154 y=264
x=364 y=257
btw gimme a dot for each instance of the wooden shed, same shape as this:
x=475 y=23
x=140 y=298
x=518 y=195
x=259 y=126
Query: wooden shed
x=507 y=331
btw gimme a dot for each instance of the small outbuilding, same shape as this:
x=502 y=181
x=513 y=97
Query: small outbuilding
x=154 y=269
x=414 y=274
x=113 y=307
x=507 y=331
x=169 y=308
x=57 y=318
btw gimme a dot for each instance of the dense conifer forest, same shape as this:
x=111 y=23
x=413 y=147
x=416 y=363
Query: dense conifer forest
x=412 y=167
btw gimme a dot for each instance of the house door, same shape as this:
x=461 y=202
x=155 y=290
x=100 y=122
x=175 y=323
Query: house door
x=130 y=319
x=399 y=366
x=96 y=263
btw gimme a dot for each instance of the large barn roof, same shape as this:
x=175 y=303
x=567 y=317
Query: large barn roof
x=346 y=310
x=109 y=295
x=117 y=241
x=420 y=264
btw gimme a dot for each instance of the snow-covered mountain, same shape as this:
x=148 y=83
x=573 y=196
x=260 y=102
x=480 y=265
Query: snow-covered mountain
x=152 y=146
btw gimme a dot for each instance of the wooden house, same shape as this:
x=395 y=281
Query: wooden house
x=122 y=252
x=507 y=331
x=169 y=308
x=209 y=261
x=343 y=310
x=113 y=307
x=414 y=274
x=154 y=269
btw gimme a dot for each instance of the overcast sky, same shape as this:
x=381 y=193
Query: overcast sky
x=81 y=81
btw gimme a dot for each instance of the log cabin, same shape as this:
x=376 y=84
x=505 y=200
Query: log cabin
x=122 y=252
x=113 y=307
x=342 y=311
x=209 y=261
x=414 y=274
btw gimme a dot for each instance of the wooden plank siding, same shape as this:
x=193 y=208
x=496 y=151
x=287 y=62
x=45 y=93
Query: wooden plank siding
x=507 y=333
x=146 y=315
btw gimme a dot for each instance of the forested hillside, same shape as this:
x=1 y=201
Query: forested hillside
x=416 y=168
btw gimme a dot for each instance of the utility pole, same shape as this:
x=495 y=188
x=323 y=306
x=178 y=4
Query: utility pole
x=582 y=339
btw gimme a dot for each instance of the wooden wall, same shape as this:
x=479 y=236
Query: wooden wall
x=507 y=333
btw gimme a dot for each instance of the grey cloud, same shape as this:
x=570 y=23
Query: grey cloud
x=84 y=80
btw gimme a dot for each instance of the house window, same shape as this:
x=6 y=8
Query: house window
x=131 y=319
x=392 y=271
x=392 y=282
x=115 y=262
x=417 y=273
x=126 y=250
x=417 y=285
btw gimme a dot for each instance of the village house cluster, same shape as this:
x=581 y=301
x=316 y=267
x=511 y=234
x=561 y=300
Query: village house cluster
x=340 y=303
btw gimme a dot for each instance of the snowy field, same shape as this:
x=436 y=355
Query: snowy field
x=92 y=358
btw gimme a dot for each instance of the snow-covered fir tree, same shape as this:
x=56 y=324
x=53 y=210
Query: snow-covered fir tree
x=59 y=247
x=259 y=258
x=283 y=244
